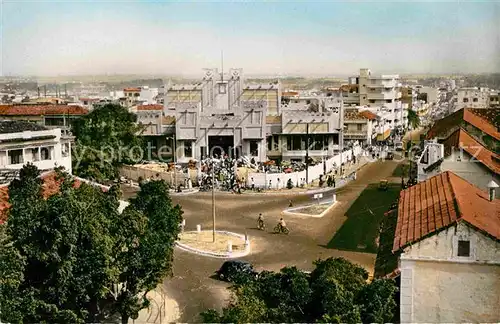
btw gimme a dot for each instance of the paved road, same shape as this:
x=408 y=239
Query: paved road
x=192 y=285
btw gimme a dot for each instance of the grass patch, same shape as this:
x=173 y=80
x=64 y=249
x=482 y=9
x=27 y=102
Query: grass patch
x=362 y=227
x=401 y=169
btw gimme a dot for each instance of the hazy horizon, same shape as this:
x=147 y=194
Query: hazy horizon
x=55 y=39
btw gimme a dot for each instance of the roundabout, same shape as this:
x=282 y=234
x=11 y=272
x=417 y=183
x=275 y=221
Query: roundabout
x=227 y=244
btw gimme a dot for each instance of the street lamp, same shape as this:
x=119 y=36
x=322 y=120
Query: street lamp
x=213 y=202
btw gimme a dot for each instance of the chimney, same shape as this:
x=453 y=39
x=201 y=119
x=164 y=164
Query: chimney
x=491 y=189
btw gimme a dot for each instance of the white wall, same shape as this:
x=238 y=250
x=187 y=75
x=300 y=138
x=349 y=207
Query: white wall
x=54 y=145
x=262 y=179
x=438 y=286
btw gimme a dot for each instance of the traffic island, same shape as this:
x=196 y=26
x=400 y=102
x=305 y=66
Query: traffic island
x=316 y=210
x=226 y=245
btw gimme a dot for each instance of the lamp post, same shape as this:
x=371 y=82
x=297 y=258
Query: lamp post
x=213 y=202
x=307 y=153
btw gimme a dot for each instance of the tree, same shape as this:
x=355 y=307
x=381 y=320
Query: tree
x=335 y=292
x=72 y=258
x=413 y=119
x=106 y=138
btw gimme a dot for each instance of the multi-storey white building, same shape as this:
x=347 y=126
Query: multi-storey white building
x=22 y=142
x=470 y=98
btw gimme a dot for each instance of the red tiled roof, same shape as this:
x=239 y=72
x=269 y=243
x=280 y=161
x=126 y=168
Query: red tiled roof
x=462 y=139
x=150 y=107
x=485 y=119
x=40 y=110
x=368 y=115
x=440 y=202
x=132 y=89
x=50 y=187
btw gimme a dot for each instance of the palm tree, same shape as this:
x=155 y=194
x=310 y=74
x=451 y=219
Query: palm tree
x=413 y=119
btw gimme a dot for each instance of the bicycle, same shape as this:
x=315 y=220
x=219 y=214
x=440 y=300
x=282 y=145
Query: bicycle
x=280 y=229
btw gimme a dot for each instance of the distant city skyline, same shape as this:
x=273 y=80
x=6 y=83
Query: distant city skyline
x=279 y=38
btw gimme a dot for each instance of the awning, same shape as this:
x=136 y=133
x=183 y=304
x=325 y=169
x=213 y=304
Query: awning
x=384 y=136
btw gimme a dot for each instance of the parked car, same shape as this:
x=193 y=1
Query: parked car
x=233 y=270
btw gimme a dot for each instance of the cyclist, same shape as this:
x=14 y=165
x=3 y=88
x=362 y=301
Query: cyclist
x=282 y=224
x=260 y=222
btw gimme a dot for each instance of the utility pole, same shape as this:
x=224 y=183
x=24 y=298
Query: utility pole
x=213 y=201
x=307 y=153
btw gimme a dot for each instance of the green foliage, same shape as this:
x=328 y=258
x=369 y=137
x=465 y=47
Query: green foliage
x=335 y=292
x=413 y=119
x=106 y=138
x=289 y=184
x=377 y=300
x=73 y=258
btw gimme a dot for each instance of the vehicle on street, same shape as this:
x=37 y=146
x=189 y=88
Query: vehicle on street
x=398 y=146
x=234 y=270
x=383 y=185
x=390 y=156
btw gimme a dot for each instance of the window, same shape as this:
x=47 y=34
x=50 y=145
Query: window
x=388 y=100
x=254 y=148
x=463 y=248
x=45 y=153
x=372 y=100
x=188 y=149
x=466 y=99
x=222 y=88
x=16 y=157
x=474 y=100
x=35 y=154
x=359 y=127
x=425 y=157
x=295 y=143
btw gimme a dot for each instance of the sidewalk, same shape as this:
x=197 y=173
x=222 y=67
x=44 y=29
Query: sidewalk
x=313 y=187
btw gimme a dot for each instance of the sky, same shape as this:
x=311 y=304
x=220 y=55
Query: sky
x=328 y=38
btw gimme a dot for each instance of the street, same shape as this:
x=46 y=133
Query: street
x=192 y=286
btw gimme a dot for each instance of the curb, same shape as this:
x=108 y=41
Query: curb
x=289 y=212
x=193 y=191
x=226 y=255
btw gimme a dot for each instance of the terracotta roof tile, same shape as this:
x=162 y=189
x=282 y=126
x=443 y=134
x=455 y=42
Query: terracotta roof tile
x=369 y=115
x=462 y=139
x=289 y=93
x=150 y=107
x=486 y=120
x=132 y=89
x=439 y=202
x=40 y=110
x=50 y=187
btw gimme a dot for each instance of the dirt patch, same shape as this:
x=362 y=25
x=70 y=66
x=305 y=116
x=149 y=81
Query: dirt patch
x=204 y=241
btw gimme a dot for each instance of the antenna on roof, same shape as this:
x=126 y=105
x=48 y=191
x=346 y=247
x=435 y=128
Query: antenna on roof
x=222 y=65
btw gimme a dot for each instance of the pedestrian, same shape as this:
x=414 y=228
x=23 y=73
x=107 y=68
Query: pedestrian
x=183 y=224
x=334 y=182
x=253 y=184
x=278 y=182
x=270 y=184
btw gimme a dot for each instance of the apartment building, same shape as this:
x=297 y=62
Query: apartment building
x=383 y=91
x=22 y=142
x=471 y=97
x=222 y=115
x=360 y=126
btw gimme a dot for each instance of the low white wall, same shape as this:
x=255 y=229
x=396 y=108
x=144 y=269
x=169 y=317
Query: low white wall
x=262 y=179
